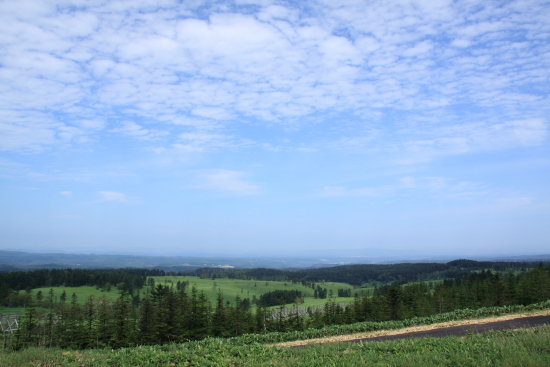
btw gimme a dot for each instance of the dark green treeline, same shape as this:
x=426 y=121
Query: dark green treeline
x=168 y=315
x=360 y=274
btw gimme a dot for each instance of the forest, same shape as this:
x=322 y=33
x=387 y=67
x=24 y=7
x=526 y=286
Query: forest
x=168 y=314
x=365 y=273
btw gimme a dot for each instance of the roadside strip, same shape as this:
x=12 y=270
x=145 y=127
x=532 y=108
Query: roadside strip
x=514 y=321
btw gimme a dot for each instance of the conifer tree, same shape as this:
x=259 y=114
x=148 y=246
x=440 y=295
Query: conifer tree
x=104 y=317
x=26 y=334
x=261 y=319
x=219 y=318
x=51 y=320
x=316 y=319
x=199 y=317
x=239 y=318
x=122 y=325
x=73 y=322
x=160 y=322
x=147 y=324
x=171 y=314
x=88 y=323
x=39 y=297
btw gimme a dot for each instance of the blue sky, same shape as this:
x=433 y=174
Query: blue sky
x=274 y=127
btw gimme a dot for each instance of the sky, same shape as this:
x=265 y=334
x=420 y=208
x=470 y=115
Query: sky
x=287 y=128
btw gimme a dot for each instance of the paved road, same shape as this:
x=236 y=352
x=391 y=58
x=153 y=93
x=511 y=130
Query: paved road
x=523 y=322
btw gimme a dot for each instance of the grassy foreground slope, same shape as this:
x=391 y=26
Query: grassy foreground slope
x=528 y=347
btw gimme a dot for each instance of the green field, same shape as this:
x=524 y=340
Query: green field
x=231 y=288
x=82 y=294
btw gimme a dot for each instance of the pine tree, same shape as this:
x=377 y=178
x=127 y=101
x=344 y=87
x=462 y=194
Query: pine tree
x=73 y=332
x=296 y=322
x=122 y=331
x=316 y=319
x=27 y=333
x=88 y=323
x=261 y=319
x=39 y=297
x=104 y=317
x=333 y=312
x=51 y=320
x=161 y=326
x=540 y=283
x=239 y=317
x=147 y=325
x=199 y=319
x=171 y=314
x=60 y=328
x=219 y=318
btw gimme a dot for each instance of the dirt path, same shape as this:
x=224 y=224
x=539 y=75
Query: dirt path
x=458 y=328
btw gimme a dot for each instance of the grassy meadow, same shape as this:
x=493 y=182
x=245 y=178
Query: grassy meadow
x=229 y=287
x=249 y=288
x=82 y=294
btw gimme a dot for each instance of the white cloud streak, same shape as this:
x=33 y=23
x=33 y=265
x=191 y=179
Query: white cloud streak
x=115 y=197
x=130 y=128
x=227 y=181
x=434 y=187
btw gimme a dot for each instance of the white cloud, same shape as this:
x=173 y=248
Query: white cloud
x=25 y=131
x=115 y=197
x=418 y=49
x=227 y=181
x=66 y=193
x=10 y=169
x=211 y=112
x=528 y=132
x=340 y=191
x=431 y=187
x=130 y=128
x=475 y=137
x=513 y=202
x=201 y=140
x=65 y=69
x=91 y=124
x=461 y=43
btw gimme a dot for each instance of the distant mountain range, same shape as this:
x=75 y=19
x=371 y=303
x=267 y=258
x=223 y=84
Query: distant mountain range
x=19 y=260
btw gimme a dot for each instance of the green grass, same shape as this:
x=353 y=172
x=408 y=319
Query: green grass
x=82 y=293
x=230 y=288
x=249 y=288
x=529 y=347
x=19 y=310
